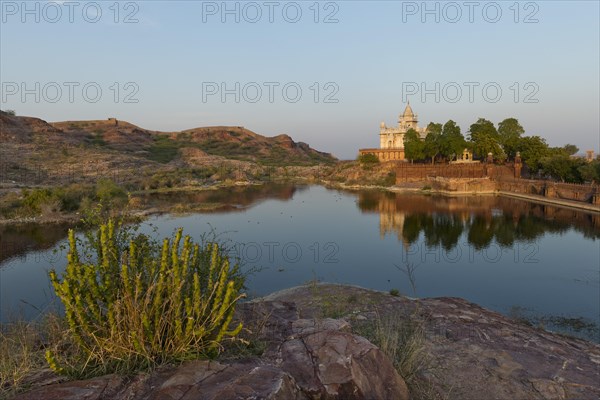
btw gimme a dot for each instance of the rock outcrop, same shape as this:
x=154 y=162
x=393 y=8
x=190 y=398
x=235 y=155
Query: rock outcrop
x=465 y=352
x=304 y=359
x=470 y=353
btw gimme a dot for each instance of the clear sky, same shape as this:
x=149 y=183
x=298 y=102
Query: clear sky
x=355 y=63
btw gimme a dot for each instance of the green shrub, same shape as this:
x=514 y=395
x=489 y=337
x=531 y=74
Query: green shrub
x=69 y=198
x=34 y=200
x=72 y=196
x=368 y=159
x=163 y=150
x=131 y=303
x=96 y=138
x=389 y=180
x=107 y=190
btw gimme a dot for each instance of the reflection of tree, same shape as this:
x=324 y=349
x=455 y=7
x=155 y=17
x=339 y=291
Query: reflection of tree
x=443 y=220
x=451 y=227
x=411 y=228
x=505 y=232
x=530 y=228
x=439 y=229
x=481 y=232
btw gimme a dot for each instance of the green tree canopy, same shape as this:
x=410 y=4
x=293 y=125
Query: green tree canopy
x=562 y=166
x=590 y=172
x=532 y=149
x=570 y=149
x=413 y=145
x=485 y=139
x=433 y=141
x=452 y=142
x=509 y=134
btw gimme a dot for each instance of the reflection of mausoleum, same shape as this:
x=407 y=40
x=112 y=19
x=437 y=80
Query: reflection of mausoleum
x=482 y=218
x=391 y=139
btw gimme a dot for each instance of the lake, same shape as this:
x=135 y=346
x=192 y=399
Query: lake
x=534 y=262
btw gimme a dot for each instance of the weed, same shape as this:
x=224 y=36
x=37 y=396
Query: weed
x=131 y=303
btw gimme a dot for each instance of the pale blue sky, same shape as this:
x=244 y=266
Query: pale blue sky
x=371 y=54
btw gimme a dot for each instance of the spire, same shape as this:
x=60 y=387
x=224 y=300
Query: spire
x=408 y=112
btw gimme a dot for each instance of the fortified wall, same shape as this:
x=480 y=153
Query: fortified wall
x=504 y=178
x=553 y=190
x=420 y=172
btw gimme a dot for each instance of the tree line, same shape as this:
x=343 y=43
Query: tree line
x=445 y=143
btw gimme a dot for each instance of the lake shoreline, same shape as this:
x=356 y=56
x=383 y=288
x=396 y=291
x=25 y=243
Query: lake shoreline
x=74 y=218
x=526 y=197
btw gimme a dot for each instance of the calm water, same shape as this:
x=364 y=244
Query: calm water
x=529 y=261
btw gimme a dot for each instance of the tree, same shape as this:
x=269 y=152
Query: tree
x=432 y=141
x=590 y=172
x=532 y=149
x=485 y=139
x=413 y=145
x=570 y=149
x=561 y=166
x=452 y=142
x=509 y=134
x=10 y=112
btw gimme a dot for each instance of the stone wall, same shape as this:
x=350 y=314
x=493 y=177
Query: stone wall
x=421 y=172
x=384 y=154
x=503 y=177
x=554 y=190
x=462 y=185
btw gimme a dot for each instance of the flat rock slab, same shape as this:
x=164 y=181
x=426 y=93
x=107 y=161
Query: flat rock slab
x=474 y=353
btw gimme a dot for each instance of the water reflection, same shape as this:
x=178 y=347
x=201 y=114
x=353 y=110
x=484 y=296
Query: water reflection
x=18 y=240
x=442 y=220
x=225 y=199
x=500 y=253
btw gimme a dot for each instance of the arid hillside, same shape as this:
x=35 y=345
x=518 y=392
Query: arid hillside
x=35 y=152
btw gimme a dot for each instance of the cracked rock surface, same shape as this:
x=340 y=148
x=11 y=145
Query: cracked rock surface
x=472 y=354
x=304 y=359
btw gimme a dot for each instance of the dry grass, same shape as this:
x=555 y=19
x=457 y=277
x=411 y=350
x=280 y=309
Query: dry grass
x=22 y=348
x=403 y=341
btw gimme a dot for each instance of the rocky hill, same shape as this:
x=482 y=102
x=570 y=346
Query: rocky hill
x=232 y=142
x=35 y=152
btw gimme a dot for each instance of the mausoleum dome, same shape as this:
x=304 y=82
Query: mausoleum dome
x=408 y=112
